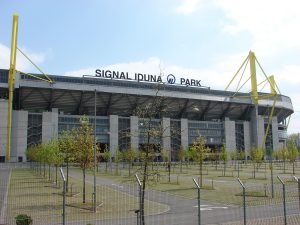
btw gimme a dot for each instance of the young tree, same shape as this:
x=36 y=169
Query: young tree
x=283 y=154
x=56 y=156
x=181 y=156
x=199 y=152
x=224 y=157
x=130 y=155
x=118 y=158
x=83 y=148
x=106 y=157
x=257 y=155
x=66 y=143
x=292 y=153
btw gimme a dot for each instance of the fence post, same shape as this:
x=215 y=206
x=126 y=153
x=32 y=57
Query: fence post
x=138 y=212
x=199 y=205
x=298 y=181
x=64 y=196
x=244 y=199
x=284 y=205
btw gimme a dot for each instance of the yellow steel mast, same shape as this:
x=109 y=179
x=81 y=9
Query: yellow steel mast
x=251 y=58
x=11 y=82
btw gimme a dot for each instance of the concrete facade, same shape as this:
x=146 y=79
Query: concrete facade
x=113 y=134
x=134 y=132
x=184 y=133
x=166 y=140
x=49 y=125
x=276 y=145
x=3 y=126
x=247 y=138
x=230 y=140
x=19 y=136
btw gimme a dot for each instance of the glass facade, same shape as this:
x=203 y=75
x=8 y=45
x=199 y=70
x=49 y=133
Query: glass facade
x=212 y=131
x=239 y=136
x=68 y=122
x=34 y=131
x=124 y=133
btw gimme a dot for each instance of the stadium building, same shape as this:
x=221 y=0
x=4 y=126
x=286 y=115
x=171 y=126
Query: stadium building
x=41 y=110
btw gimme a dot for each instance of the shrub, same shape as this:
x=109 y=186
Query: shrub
x=23 y=219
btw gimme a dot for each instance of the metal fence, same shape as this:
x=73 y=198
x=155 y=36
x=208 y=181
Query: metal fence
x=37 y=190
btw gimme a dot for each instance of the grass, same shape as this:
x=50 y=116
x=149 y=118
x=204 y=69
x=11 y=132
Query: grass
x=34 y=195
x=218 y=188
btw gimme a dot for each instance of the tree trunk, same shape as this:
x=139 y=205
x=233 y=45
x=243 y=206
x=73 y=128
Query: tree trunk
x=44 y=169
x=83 y=191
x=224 y=168
x=180 y=166
x=200 y=174
x=49 y=172
x=129 y=168
x=254 y=170
x=56 y=175
x=67 y=183
x=294 y=167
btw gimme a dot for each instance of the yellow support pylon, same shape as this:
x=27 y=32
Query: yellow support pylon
x=11 y=82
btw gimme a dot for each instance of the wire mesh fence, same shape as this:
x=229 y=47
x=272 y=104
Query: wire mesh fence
x=37 y=190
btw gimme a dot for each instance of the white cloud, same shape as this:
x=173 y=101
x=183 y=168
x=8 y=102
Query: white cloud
x=272 y=24
x=22 y=63
x=187 y=6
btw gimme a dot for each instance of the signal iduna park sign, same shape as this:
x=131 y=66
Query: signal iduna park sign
x=140 y=77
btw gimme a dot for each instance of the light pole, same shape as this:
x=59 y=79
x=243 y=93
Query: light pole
x=95 y=146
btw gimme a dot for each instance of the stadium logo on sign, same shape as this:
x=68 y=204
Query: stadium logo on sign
x=171 y=79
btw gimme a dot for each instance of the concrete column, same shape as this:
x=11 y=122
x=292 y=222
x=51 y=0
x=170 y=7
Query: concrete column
x=3 y=126
x=275 y=133
x=184 y=133
x=247 y=138
x=257 y=129
x=230 y=139
x=50 y=125
x=19 y=135
x=166 y=139
x=113 y=134
x=134 y=133
x=260 y=131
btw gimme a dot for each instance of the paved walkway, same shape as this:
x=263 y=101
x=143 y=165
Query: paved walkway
x=4 y=182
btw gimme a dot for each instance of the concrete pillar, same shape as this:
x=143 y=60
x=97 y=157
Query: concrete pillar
x=19 y=135
x=230 y=139
x=257 y=129
x=166 y=139
x=184 y=133
x=50 y=125
x=260 y=131
x=3 y=126
x=113 y=134
x=247 y=138
x=134 y=133
x=275 y=134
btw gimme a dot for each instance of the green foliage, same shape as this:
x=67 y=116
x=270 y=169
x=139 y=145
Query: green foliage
x=224 y=154
x=23 y=219
x=257 y=154
x=106 y=154
x=83 y=143
x=198 y=150
x=283 y=154
x=292 y=150
x=165 y=155
x=130 y=155
x=66 y=143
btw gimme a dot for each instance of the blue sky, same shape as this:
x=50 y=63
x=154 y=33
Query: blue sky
x=202 y=39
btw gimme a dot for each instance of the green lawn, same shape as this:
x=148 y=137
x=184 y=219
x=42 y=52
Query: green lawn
x=32 y=194
x=216 y=188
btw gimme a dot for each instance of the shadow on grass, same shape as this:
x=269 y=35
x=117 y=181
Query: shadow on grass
x=41 y=207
